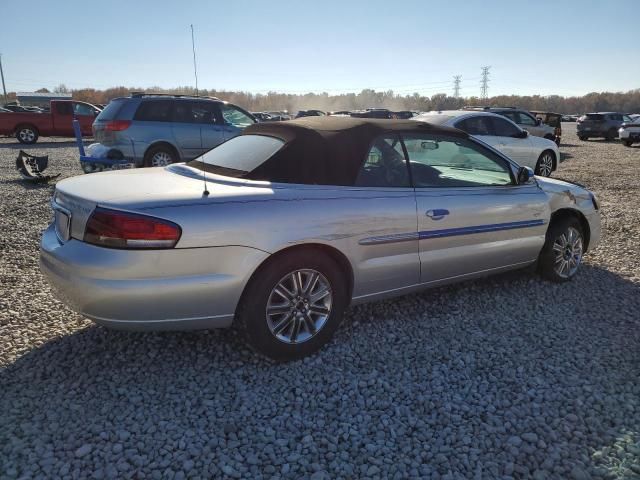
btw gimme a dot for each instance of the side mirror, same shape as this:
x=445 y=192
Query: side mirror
x=524 y=175
x=521 y=134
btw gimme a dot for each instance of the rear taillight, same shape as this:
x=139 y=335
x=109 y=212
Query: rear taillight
x=114 y=229
x=117 y=125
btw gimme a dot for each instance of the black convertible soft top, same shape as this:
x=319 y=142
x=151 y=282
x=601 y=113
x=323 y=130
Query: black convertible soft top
x=328 y=150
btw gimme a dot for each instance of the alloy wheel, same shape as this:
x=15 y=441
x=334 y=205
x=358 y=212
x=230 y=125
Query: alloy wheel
x=27 y=135
x=568 y=249
x=299 y=306
x=546 y=165
x=161 y=159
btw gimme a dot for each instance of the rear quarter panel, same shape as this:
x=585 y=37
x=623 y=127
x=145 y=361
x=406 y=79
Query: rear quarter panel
x=339 y=217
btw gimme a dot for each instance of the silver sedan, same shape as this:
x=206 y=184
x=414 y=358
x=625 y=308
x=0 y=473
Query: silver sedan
x=283 y=227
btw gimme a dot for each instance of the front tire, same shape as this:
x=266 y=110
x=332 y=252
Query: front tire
x=628 y=143
x=545 y=164
x=27 y=134
x=293 y=305
x=561 y=255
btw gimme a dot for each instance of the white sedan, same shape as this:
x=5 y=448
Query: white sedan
x=502 y=134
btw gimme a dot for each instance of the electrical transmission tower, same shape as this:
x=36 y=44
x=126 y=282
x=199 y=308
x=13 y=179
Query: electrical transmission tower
x=484 y=83
x=456 y=85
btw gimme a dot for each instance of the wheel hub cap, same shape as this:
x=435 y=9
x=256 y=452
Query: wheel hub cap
x=568 y=249
x=161 y=159
x=299 y=306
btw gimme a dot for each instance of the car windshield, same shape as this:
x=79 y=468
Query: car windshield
x=238 y=156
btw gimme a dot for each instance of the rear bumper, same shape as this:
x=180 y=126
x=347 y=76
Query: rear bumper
x=627 y=134
x=177 y=289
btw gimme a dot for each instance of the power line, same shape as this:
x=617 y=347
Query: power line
x=484 y=83
x=456 y=85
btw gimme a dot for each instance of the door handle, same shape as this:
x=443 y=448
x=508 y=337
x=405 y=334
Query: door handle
x=437 y=214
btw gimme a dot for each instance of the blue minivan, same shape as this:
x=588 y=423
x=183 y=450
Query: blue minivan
x=153 y=130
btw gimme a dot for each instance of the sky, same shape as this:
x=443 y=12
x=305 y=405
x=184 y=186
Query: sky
x=544 y=47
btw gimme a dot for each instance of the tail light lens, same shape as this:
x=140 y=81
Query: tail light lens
x=117 y=125
x=114 y=229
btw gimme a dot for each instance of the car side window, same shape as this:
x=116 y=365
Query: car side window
x=513 y=116
x=385 y=165
x=626 y=118
x=526 y=120
x=479 y=125
x=154 y=111
x=64 y=108
x=234 y=116
x=503 y=128
x=440 y=161
x=82 y=109
x=196 y=112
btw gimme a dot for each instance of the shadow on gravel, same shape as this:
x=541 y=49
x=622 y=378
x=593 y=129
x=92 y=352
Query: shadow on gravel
x=565 y=156
x=504 y=376
x=570 y=145
x=30 y=185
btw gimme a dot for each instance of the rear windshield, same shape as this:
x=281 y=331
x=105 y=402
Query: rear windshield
x=111 y=111
x=239 y=156
x=594 y=116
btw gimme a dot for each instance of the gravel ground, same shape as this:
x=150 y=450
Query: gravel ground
x=509 y=377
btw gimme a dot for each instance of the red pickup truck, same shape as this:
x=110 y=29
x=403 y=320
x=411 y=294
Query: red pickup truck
x=27 y=127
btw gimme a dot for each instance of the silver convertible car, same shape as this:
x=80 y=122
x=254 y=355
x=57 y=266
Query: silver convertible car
x=284 y=226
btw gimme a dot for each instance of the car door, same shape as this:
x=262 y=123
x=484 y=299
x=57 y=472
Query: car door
x=513 y=141
x=186 y=128
x=85 y=114
x=63 y=119
x=235 y=120
x=386 y=259
x=211 y=124
x=530 y=124
x=472 y=215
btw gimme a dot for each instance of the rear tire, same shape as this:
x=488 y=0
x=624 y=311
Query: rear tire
x=160 y=156
x=27 y=134
x=298 y=325
x=561 y=255
x=545 y=164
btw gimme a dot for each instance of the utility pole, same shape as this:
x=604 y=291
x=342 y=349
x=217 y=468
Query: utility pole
x=4 y=88
x=456 y=85
x=484 y=83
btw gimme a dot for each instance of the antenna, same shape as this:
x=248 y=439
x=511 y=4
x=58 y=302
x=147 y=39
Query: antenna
x=195 y=68
x=456 y=85
x=484 y=83
x=205 y=192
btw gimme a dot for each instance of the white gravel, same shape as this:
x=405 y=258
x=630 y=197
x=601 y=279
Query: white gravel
x=509 y=377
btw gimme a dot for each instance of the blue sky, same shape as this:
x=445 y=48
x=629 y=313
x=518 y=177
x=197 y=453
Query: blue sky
x=543 y=47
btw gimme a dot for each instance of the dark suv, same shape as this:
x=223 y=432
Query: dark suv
x=156 y=130
x=601 y=124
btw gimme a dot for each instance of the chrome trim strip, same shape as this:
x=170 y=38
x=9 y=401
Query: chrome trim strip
x=381 y=240
x=448 y=232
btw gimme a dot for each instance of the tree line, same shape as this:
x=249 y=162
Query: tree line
x=627 y=102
